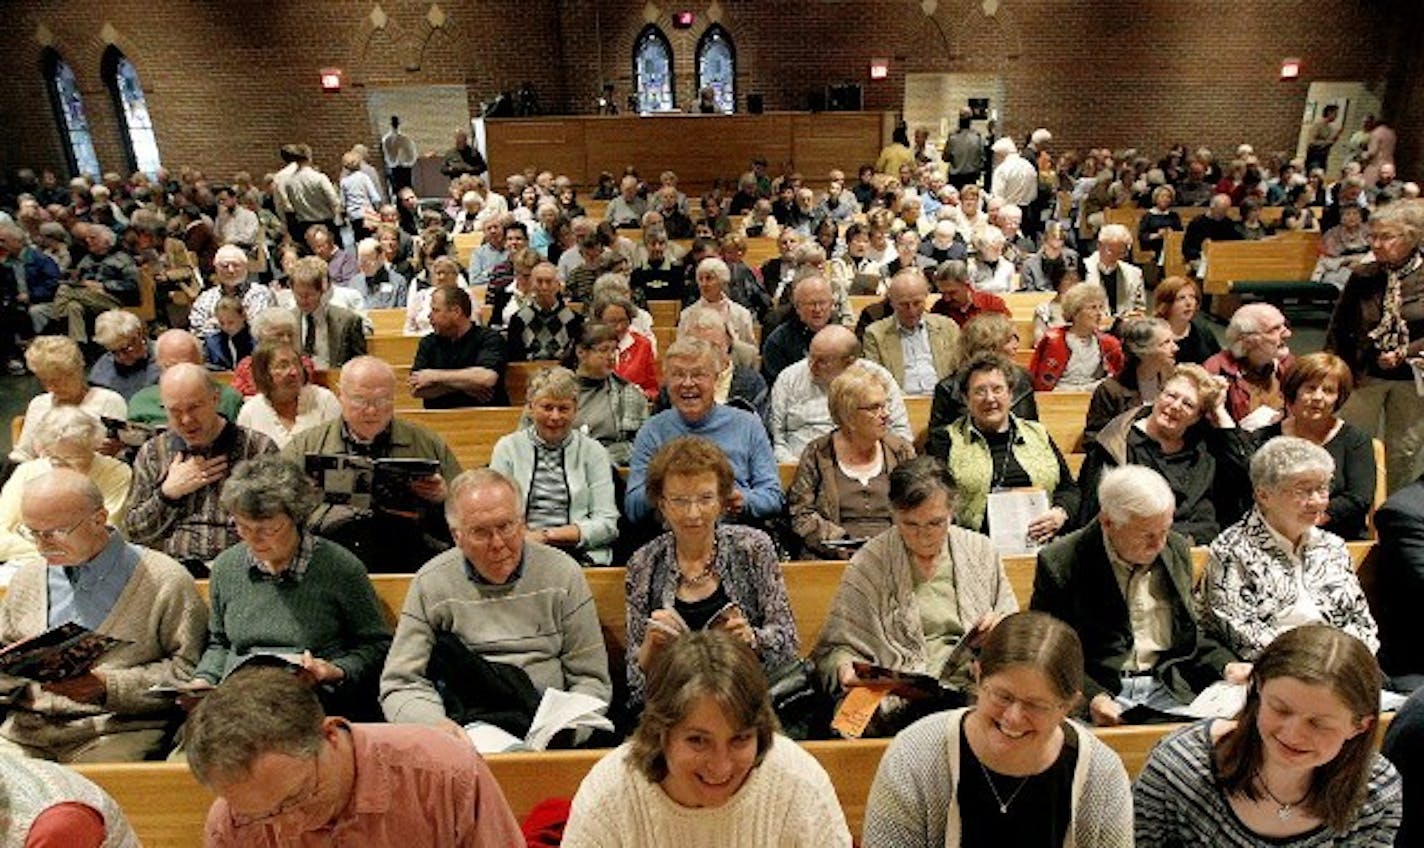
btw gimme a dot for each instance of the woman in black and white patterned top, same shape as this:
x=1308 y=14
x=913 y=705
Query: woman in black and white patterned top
x=1276 y=569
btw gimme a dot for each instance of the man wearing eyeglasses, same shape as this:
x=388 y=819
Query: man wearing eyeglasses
x=285 y=773
x=385 y=539
x=87 y=573
x=1256 y=357
x=509 y=602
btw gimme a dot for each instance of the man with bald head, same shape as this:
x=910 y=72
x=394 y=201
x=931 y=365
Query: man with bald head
x=1215 y=225
x=918 y=349
x=230 y=271
x=385 y=540
x=800 y=410
x=179 y=473
x=815 y=305
x=86 y=573
x=172 y=348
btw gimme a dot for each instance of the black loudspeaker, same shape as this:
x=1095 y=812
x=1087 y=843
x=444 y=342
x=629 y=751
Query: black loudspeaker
x=979 y=107
x=843 y=98
x=816 y=101
x=756 y=104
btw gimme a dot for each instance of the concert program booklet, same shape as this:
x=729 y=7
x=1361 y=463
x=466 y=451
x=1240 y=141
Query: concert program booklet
x=68 y=651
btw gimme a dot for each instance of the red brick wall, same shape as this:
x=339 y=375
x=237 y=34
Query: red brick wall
x=227 y=82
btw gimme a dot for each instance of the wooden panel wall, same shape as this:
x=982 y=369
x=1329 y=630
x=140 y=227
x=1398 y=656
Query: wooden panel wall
x=700 y=148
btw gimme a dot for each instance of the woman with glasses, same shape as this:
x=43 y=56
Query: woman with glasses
x=910 y=596
x=1011 y=770
x=1296 y=768
x=1077 y=357
x=1315 y=388
x=702 y=574
x=66 y=437
x=1187 y=437
x=991 y=450
x=129 y=362
x=1150 y=357
x=1378 y=329
x=283 y=590
x=285 y=403
x=841 y=495
x=564 y=473
x=635 y=356
x=1276 y=568
x=610 y=408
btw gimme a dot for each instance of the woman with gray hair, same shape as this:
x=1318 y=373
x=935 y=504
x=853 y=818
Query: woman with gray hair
x=269 y=326
x=564 y=474
x=1078 y=356
x=284 y=591
x=1378 y=328
x=1276 y=569
x=713 y=278
x=66 y=437
x=988 y=270
x=58 y=364
x=911 y=595
x=128 y=363
x=841 y=495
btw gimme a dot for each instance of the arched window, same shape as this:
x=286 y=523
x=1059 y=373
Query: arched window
x=69 y=114
x=135 y=125
x=652 y=71
x=717 y=67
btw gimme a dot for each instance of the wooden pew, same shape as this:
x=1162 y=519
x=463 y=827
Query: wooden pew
x=665 y=312
x=1020 y=567
x=1064 y=414
x=759 y=250
x=167 y=806
x=393 y=348
x=1173 y=263
x=1279 y=260
x=595 y=209
x=517 y=376
x=465 y=244
x=1022 y=304
x=470 y=433
x=387 y=322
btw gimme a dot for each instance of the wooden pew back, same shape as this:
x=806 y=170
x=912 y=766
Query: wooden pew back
x=470 y=433
x=393 y=348
x=1279 y=258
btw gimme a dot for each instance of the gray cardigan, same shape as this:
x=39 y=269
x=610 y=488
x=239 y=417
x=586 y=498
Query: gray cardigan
x=588 y=474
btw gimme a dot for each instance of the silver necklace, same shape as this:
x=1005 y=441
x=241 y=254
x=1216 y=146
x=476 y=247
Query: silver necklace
x=1003 y=805
x=1284 y=811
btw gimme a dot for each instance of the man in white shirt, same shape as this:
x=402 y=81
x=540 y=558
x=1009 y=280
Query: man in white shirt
x=400 y=155
x=1015 y=178
x=799 y=408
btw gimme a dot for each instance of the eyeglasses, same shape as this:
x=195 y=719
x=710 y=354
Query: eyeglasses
x=985 y=392
x=298 y=799
x=688 y=376
x=1002 y=700
x=877 y=408
x=34 y=537
x=1306 y=491
x=375 y=403
x=266 y=530
x=484 y=535
x=686 y=504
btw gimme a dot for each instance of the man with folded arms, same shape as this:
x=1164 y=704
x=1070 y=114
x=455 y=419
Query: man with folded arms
x=89 y=575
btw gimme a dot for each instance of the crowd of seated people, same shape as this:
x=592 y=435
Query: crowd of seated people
x=666 y=462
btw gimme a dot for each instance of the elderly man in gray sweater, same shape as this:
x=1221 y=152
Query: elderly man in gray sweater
x=508 y=600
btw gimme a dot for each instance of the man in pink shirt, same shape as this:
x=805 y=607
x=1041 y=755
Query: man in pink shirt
x=288 y=775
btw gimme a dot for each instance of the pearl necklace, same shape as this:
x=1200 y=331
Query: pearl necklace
x=1003 y=805
x=1284 y=810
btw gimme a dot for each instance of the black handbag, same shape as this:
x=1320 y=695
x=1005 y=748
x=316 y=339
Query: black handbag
x=798 y=704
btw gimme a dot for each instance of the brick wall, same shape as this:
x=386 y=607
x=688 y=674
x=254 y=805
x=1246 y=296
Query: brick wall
x=227 y=82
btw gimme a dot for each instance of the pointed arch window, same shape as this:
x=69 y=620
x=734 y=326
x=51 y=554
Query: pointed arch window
x=131 y=107
x=69 y=115
x=652 y=71
x=717 y=67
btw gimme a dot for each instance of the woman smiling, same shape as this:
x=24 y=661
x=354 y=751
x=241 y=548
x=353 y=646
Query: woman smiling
x=706 y=767
x=1011 y=770
x=1295 y=768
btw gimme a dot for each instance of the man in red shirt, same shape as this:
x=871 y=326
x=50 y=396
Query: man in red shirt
x=958 y=298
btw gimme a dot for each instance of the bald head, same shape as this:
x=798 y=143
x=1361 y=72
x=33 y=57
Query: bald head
x=190 y=398
x=832 y=351
x=368 y=390
x=65 y=511
x=175 y=347
x=814 y=302
x=907 y=293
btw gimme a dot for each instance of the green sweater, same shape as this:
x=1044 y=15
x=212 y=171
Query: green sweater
x=332 y=612
x=146 y=407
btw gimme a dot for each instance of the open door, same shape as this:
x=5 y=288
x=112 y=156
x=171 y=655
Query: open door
x=1356 y=102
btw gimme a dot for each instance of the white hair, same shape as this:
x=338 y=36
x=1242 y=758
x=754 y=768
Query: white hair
x=1286 y=457
x=1134 y=491
x=1115 y=233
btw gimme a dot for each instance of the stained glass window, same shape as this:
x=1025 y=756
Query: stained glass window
x=652 y=71
x=72 y=119
x=139 y=140
x=717 y=67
